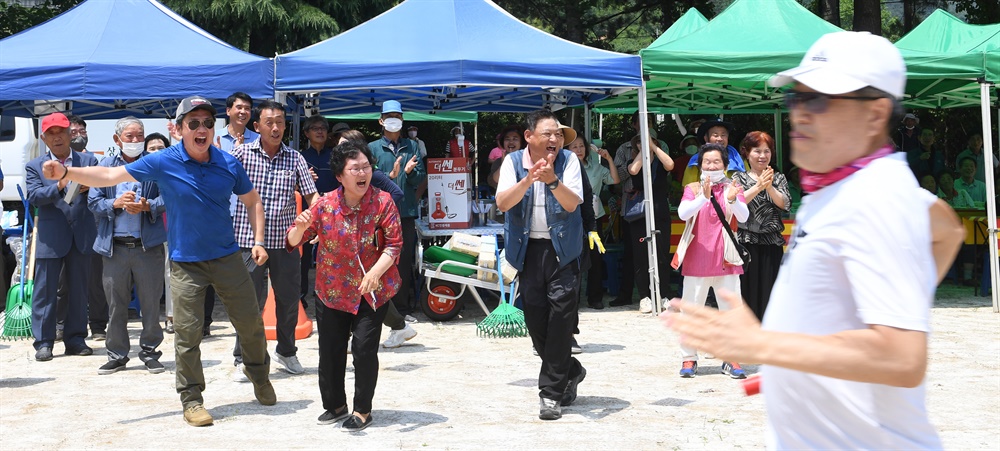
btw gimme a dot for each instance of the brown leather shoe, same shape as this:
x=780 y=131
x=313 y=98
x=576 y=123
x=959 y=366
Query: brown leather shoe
x=265 y=393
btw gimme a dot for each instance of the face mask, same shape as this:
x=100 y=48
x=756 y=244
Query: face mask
x=393 y=125
x=132 y=150
x=714 y=176
x=910 y=127
x=691 y=150
x=78 y=144
x=412 y=134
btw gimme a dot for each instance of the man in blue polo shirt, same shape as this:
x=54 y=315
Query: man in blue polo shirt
x=196 y=180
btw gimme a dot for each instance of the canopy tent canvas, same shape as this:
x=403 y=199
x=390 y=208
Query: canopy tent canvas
x=945 y=58
x=412 y=116
x=452 y=55
x=94 y=56
x=724 y=66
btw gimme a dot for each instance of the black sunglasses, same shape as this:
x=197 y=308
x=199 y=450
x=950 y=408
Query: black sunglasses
x=816 y=102
x=208 y=123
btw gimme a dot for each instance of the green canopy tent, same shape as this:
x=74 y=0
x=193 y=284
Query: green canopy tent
x=723 y=66
x=953 y=64
x=688 y=23
x=946 y=58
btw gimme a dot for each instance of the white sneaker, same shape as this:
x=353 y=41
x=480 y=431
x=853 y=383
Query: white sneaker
x=290 y=364
x=239 y=375
x=409 y=319
x=398 y=337
x=646 y=305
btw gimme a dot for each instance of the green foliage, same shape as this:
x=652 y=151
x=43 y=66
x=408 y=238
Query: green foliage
x=15 y=18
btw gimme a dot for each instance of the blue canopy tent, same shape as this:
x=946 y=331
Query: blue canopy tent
x=457 y=55
x=98 y=56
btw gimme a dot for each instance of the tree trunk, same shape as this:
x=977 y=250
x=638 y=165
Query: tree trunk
x=909 y=15
x=829 y=10
x=868 y=16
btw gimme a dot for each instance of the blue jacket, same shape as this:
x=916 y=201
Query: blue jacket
x=101 y=203
x=565 y=227
x=60 y=225
x=384 y=160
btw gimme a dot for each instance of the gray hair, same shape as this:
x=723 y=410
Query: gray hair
x=125 y=122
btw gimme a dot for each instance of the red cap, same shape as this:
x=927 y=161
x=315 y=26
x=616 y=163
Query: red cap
x=54 y=120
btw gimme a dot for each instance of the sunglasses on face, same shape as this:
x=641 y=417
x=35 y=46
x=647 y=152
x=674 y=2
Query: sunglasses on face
x=208 y=123
x=816 y=102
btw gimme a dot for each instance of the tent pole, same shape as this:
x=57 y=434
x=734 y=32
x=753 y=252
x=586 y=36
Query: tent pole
x=475 y=161
x=991 y=208
x=778 y=151
x=600 y=126
x=586 y=129
x=647 y=187
x=296 y=126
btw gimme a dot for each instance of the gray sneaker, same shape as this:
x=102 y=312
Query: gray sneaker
x=291 y=364
x=549 y=409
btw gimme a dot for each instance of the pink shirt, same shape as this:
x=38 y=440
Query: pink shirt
x=705 y=254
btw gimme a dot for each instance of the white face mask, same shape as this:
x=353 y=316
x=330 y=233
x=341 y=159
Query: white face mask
x=412 y=134
x=393 y=125
x=714 y=176
x=910 y=127
x=691 y=150
x=132 y=150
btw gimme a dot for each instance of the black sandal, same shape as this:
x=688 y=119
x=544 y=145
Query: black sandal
x=355 y=424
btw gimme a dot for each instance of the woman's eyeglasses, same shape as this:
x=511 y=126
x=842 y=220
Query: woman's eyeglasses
x=816 y=102
x=208 y=123
x=360 y=171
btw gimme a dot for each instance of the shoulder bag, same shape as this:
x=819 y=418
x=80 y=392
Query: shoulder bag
x=736 y=254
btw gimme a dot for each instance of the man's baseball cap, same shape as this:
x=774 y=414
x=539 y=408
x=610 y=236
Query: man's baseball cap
x=391 y=106
x=194 y=103
x=54 y=120
x=847 y=61
x=412 y=127
x=339 y=127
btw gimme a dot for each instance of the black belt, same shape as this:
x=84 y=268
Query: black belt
x=128 y=241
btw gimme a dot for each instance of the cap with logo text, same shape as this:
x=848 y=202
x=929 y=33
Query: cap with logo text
x=194 y=103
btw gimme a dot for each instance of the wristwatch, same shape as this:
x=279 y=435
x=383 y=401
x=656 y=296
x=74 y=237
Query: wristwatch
x=553 y=185
x=258 y=243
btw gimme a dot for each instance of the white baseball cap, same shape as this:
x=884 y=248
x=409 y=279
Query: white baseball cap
x=847 y=61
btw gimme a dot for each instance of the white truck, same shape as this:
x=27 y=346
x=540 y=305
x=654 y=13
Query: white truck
x=18 y=146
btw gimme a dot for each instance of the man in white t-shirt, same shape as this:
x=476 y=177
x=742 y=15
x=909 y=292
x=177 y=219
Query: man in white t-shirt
x=844 y=339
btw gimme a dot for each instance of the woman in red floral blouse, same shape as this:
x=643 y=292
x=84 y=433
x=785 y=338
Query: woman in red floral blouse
x=356 y=223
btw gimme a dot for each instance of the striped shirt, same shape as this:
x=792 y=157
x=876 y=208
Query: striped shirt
x=276 y=180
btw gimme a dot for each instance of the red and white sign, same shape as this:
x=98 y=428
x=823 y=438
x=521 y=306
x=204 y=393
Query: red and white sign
x=449 y=191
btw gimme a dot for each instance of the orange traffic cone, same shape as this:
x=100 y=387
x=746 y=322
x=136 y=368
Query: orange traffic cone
x=303 y=329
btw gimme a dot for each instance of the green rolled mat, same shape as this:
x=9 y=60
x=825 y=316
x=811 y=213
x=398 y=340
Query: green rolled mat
x=437 y=254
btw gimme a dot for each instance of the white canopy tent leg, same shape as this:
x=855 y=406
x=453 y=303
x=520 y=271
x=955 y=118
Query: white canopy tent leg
x=647 y=186
x=600 y=126
x=778 y=150
x=991 y=208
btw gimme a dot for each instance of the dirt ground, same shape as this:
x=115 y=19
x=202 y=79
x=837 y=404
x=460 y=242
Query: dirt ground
x=449 y=389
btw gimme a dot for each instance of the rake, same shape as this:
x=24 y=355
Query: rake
x=506 y=320
x=17 y=317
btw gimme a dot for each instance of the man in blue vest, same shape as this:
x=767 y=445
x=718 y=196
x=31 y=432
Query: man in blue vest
x=539 y=190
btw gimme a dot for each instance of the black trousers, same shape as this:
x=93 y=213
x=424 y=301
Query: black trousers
x=627 y=284
x=550 y=294
x=335 y=327
x=405 y=299
x=759 y=276
x=593 y=263
x=640 y=255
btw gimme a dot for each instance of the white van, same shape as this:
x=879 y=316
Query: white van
x=18 y=146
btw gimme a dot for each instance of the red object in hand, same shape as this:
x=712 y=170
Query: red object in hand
x=751 y=385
